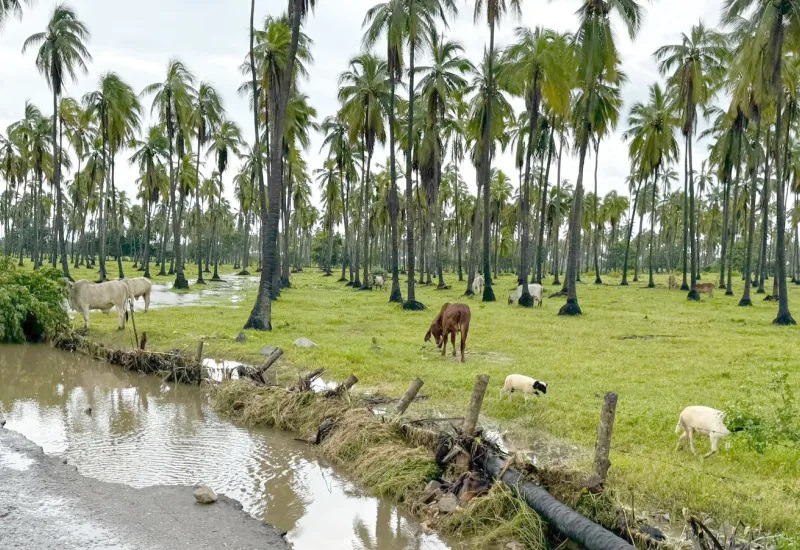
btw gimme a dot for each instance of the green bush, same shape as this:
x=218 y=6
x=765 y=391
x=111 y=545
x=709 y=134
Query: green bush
x=31 y=303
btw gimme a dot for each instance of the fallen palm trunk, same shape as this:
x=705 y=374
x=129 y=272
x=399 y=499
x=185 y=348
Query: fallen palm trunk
x=566 y=520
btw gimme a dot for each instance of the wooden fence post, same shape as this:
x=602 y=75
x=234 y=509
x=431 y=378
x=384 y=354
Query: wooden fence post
x=200 y=351
x=351 y=381
x=475 y=404
x=603 y=445
x=409 y=396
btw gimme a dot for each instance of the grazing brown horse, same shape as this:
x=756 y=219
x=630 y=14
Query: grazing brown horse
x=452 y=319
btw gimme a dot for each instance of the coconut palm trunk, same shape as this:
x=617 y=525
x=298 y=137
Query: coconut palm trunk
x=411 y=303
x=596 y=243
x=693 y=245
x=630 y=235
x=486 y=138
x=751 y=229
x=651 y=282
x=573 y=259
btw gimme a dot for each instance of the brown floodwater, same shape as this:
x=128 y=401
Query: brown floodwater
x=142 y=432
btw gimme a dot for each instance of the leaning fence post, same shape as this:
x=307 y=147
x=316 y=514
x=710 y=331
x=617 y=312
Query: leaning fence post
x=475 y=404
x=199 y=351
x=409 y=396
x=603 y=445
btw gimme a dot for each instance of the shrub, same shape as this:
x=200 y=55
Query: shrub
x=31 y=303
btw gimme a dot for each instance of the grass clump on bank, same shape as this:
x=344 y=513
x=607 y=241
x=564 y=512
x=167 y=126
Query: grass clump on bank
x=498 y=517
x=373 y=452
x=30 y=303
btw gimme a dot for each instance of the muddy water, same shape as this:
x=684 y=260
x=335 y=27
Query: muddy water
x=142 y=432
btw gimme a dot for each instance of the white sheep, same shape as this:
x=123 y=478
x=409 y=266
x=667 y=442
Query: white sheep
x=535 y=290
x=477 y=285
x=523 y=384
x=703 y=420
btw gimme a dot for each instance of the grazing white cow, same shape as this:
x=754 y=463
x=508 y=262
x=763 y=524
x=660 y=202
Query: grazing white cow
x=84 y=296
x=535 y=290
x=378 y=282
x=139 y=287
x=477 y=285
x=703 y=420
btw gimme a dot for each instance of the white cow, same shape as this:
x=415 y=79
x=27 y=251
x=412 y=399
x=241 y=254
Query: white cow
x=139 y=287
x=702 y=420
x=378 y=282
x=84 y=296
x=535 y=290
x=477 y=285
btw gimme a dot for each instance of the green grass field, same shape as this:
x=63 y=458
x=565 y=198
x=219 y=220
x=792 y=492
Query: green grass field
x=657 y=350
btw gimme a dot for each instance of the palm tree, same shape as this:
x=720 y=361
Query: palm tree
x=634 y=186
x=652 y=145
x=149 y=155
x=172 y=99
x=493 y=11
x=698 y=63
x=364 y=95
x=771 y=23
x=226 y=140
x=598 y=63
x=206 y=118
x=331 y=201
x=539 y=69
x=62 y=53
x=441 y=82
x=282 y=76
x=10 y=8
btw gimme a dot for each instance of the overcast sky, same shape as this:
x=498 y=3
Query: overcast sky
x=137 y=40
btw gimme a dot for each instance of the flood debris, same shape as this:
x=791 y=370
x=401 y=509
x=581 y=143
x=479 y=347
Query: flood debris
x=174 y=366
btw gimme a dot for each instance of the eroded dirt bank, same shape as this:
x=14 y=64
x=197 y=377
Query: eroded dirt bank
x=46 y=504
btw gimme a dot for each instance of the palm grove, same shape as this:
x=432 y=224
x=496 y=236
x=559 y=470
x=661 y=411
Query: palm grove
x=415 y=117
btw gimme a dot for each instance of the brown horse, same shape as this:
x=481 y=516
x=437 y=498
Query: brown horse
x=452 y=319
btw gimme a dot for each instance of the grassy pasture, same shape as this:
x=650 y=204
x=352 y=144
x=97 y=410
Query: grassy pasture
x=657 y=350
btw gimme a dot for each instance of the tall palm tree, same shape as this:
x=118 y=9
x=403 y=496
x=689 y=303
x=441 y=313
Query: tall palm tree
x=441 y=82
x=364 y=93
x=598 y=62
x=653 y=145
x=539 y=69
x=149 y=156
x=492 y=11
x=226 y=141
x=282 y=76
x=206 y=118
x=172 y=100
x=9 y=8
x=771 y=23
x=62 y=53
x=696 y=66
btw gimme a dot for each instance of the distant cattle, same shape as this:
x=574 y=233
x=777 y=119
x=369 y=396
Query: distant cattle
x=706 y=288
x=673 y=282
x=84 y=296
x=535 y=290
x=452 y=319
x=139 y=287
x=378 y=282
x=477 y=285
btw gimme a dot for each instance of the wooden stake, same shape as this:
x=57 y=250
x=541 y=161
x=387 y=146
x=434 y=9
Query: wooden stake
x=475 y=404
x=409 y=396
x=199 y=351
x=603 y=444
x=133 y=322
x=351 y=381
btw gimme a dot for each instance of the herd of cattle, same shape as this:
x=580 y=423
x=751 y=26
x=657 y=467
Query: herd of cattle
x=452 y=320
x=84 y=296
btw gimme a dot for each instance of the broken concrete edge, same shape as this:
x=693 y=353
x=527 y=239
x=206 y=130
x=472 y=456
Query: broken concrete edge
x=272 y=537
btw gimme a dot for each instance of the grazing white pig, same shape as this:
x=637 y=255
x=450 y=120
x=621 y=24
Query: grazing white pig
x=139 y=287
x=703 y=420
x=535 y=290
x=477 y=285
x=522 y=384
x=84 y=296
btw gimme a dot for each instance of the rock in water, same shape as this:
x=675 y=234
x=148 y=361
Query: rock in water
x=2 y=423
x=267 y=350
x=304 y=343
x=448 y=503
x=205 y=494
x=241 y=338
x=88 y=411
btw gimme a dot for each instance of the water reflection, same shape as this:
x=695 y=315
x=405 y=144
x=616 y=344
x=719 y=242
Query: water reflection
x=232 y=287
x=141 y=433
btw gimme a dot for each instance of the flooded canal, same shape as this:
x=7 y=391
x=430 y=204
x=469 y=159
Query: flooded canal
x=141 y=432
